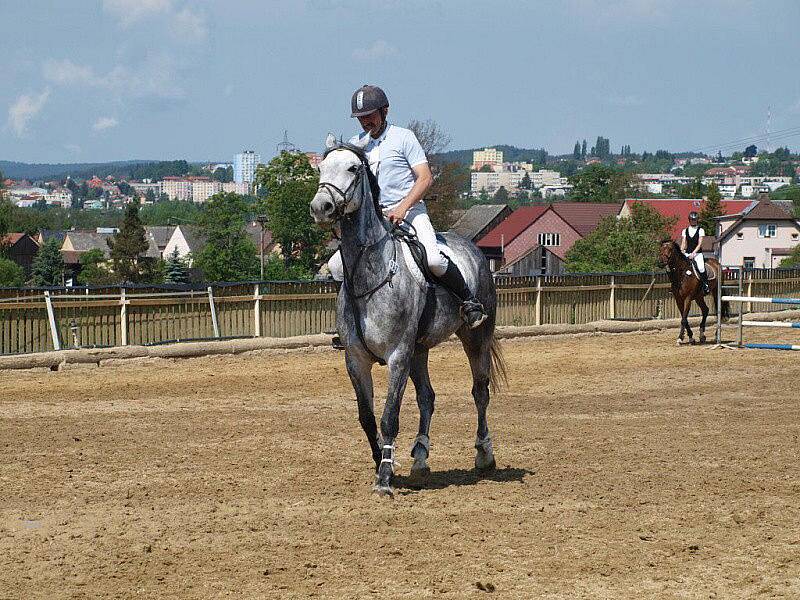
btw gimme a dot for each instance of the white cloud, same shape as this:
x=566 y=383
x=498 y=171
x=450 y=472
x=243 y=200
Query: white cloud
x=156 y=77
x=189 y=26
x=377 y=51
x=104 y=123
x=129 y=12
x=24 y=109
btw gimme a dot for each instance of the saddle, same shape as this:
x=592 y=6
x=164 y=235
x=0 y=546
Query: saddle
x=711 y=274
x=420 y=257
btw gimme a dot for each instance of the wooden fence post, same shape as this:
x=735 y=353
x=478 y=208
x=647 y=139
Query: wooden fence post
x=123 y=317
x=213 y=308
x=51 y=319
x=612 y=313
x=257 y=309
x=538 y=315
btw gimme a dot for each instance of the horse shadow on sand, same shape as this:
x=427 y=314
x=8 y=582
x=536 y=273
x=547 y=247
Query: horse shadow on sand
x=440 y=480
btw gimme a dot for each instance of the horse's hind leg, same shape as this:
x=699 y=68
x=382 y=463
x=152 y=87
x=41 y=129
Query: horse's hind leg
x=477 y=345
x=420 y=472
x=360 y=372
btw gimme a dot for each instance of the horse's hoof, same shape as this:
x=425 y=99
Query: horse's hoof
x=692 y=342
x=702 y=339
x=485 y=466
x=383 y=491
x=419 y=477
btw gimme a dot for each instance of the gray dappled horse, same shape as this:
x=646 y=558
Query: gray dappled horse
x=380 y=307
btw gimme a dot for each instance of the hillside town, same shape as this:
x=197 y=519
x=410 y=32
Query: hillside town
x=525 y=216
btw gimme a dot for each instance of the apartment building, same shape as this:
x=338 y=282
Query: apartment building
x=244 y=166
x=488 y=156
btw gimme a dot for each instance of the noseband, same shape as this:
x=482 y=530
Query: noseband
x=345 y=196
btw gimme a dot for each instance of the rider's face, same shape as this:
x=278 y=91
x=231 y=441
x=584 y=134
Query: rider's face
x=372 y=122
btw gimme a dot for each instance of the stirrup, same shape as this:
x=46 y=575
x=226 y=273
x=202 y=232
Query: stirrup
x=336 y=342
x=473 y=313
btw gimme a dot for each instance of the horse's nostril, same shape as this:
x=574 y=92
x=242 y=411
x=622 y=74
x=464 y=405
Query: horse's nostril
x=327 y=207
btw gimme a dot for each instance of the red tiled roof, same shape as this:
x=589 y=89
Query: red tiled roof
x=681 y=207
x=11 y=238
x=584 y=217
x=512 y=226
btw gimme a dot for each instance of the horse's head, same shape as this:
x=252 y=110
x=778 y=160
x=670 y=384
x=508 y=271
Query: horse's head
x=667 y=253
x=340 y=173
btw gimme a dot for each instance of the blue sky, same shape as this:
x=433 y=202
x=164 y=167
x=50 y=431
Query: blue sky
x=98 y=80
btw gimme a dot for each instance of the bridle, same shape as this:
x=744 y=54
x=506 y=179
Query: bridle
x=345 y=195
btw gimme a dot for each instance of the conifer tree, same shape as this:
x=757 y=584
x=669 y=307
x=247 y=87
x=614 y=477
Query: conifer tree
x=576 y=153
x=129 y=245
x=48 y=266
x=711 y=208
x=176 y=269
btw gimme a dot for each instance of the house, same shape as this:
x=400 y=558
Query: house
x=758 y=237
x=20 y=248
x=47 y=234
x=188 y=240
x=535 y=239
x=679 y=208
x=478 y=220
x=160 y=234
x=80 y=241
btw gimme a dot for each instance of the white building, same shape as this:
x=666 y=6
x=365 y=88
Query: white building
x=146 y=185
x=177 y=188
x=60 y=196
x=236 y=188
x=488 y=156
x=244 y=167
x=544 y=177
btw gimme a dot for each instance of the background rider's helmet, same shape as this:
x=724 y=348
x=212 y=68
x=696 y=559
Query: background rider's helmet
x=693 y=216
x=368 y=99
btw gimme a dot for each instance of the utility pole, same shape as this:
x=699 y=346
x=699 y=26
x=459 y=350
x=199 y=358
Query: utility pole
x=262 y=220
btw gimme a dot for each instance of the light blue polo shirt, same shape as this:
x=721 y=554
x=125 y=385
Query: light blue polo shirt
x=391 y=158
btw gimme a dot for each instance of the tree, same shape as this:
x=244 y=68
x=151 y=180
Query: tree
x=576 y=152
x=525 y=182
x=172 y=212
x=48 y=266
x=501 y=195
x=150 y=196
x=176 y=269
x=629 y=244
x=789 y=192
x=601 y=183
x=483 y=196
x=229 y=254
x=485 y=169
x=793 y=260
x=11 y=274
x=290 y=183
x=750 y=151
x=710 y=209
x=93 y=270
x=224 y=175
x=696 y=189
x=450 y=179
x=128 y=246
x=583 y=150
x=602 y=148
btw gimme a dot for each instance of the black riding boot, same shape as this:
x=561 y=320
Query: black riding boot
x=471 y=309
x=704 y=281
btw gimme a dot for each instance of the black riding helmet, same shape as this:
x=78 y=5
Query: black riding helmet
x=693 y=216
x=367 y=99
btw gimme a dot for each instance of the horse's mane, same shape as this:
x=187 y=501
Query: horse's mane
x=374 y=188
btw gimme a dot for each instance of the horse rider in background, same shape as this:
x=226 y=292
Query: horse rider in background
x=399 y=162
x=691 y=245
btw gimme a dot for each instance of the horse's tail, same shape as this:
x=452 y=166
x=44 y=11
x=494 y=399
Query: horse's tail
x=726 y=309
x=498 y=376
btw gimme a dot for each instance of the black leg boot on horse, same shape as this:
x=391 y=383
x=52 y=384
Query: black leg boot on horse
x=471 y=309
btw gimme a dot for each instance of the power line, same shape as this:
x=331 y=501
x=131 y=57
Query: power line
x=759 y=137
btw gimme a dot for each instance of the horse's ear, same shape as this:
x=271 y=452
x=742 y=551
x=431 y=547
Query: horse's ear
x=362 y=141
x=330 y=141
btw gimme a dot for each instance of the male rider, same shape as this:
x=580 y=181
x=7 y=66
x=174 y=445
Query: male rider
x=691 y=244
x=398 y=160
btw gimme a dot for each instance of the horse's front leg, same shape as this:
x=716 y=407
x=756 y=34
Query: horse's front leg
x=687 y=304
x=704 y=309
x=359 y=368
x=399 y=366
x=420 y=472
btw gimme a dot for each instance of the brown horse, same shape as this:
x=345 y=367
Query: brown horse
x=687 y=287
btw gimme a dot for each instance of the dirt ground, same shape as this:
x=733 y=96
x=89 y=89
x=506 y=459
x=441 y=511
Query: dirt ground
x=627 y=468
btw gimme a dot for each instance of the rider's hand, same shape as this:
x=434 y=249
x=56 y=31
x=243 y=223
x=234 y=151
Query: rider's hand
x=396 y=214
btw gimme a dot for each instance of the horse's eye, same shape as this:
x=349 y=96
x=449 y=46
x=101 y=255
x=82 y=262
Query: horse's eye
x=353 y=169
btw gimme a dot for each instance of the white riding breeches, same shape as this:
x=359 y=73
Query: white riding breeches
x=421 y=222
x=699 y=261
